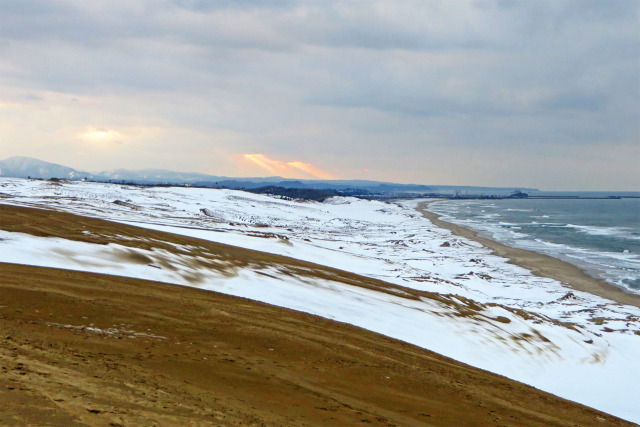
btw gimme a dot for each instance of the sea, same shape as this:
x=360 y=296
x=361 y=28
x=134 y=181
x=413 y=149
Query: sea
x=601 y=236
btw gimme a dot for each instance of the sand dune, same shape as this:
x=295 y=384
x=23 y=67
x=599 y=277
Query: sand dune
x=406 y=279
x=86 y=349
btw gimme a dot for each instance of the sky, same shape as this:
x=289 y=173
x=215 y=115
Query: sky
x=542 y=94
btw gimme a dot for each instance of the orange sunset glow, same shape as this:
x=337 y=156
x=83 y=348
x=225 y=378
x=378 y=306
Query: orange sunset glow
x=287 y=169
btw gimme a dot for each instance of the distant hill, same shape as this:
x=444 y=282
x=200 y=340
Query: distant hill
x=24 y=167
x=156 y=176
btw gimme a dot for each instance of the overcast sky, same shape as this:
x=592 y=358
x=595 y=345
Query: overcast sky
x=541 y=94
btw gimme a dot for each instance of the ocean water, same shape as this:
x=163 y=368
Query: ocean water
x=600 y=236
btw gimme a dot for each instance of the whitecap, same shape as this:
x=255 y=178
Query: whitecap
x=621 y=232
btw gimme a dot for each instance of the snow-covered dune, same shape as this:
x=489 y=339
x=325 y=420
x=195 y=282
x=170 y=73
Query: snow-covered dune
x=490 y=314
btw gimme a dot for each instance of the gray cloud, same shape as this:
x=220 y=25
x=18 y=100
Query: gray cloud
x=336 y=81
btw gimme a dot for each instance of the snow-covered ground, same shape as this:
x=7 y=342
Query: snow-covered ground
x=520 y=331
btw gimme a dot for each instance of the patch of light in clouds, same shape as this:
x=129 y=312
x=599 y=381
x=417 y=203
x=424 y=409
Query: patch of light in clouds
x=101 y=136
x=291 y=169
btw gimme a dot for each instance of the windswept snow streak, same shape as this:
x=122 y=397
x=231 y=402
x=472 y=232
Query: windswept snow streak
x=475 y=307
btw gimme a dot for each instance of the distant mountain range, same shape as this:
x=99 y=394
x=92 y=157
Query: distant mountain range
x=23 y=167
x=28 y=167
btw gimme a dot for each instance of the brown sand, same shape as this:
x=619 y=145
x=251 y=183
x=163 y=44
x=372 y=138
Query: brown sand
x=172 y=355
x=539 y=264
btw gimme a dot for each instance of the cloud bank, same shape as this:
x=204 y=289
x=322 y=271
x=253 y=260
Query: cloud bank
x=541 y=94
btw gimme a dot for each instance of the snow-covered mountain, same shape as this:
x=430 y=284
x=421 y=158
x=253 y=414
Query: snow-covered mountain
x=24 y=167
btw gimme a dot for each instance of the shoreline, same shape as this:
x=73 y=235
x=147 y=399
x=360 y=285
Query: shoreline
x=539 y=264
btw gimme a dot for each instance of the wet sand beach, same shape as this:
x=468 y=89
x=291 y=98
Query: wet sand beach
x=539 y=264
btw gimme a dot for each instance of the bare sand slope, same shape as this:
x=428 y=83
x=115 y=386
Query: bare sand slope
x=87 y=349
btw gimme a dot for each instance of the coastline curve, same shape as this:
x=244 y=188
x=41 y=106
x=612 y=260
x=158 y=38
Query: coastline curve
x=539 y=264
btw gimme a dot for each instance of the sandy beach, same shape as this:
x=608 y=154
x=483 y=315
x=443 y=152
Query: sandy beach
x=539 y=264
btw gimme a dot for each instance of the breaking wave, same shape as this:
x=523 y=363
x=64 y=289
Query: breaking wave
x=602 y=236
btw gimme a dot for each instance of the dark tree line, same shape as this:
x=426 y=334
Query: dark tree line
x=296 y=193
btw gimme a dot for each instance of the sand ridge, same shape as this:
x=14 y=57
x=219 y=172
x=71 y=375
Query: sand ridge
x=202 y=358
